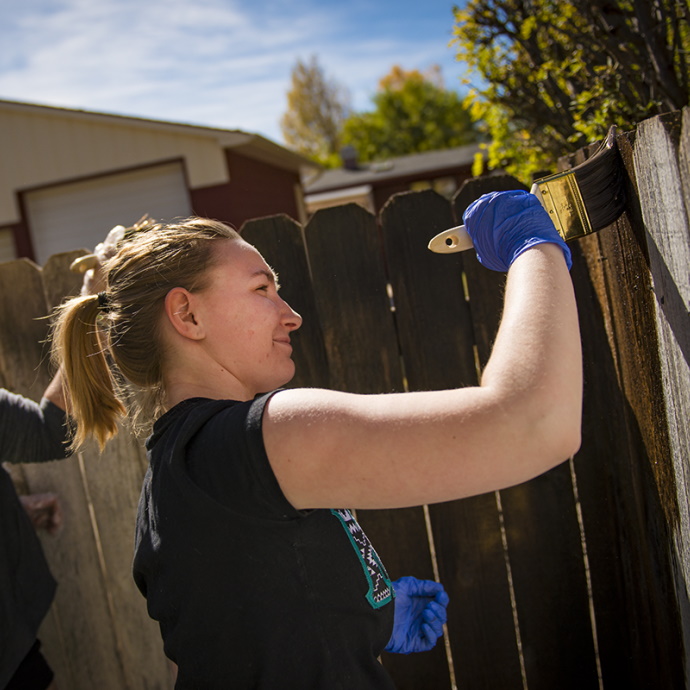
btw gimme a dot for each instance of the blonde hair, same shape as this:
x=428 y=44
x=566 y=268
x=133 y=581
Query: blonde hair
x=108 y=345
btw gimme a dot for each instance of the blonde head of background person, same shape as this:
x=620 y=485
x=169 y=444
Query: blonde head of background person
x=244 y=549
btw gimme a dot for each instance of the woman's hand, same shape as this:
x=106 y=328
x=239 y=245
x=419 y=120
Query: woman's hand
x=503 y=225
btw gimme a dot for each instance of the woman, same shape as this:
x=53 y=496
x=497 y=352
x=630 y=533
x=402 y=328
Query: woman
x=257 y=573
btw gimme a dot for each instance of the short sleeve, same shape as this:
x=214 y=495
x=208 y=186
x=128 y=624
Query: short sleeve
x=227 y=460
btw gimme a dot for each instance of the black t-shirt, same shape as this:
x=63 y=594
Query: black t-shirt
x=248 y=591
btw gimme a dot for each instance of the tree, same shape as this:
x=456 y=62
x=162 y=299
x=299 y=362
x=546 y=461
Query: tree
x=558 y=73
x=413 y=113
x=316 y=109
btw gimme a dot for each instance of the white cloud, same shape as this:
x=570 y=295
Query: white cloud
x=223 y=63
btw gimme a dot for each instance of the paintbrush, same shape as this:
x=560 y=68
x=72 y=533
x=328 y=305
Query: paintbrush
x=579 y=201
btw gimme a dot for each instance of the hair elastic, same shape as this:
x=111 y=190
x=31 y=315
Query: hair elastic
x=103 y=302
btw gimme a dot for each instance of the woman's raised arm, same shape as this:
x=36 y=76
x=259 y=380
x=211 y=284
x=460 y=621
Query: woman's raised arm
x=393 y=450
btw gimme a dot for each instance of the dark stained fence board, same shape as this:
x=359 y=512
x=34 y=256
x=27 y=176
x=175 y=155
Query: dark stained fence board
x=634 y=517
x=549 y=580
x=485 y=647
x=352 y=301
x=472 y=568
x=400 y=537
x=485 y=287
x=542 y=530
x=355 y=312
x=437 y=344
x=280 y=240
x=432 y=315
x=598 y=464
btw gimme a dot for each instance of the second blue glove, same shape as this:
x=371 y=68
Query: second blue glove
x=420 y=612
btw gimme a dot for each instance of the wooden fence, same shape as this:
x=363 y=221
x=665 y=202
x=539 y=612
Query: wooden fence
x=575 y=580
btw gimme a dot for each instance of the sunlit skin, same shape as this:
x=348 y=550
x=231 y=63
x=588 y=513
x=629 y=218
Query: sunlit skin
x=402 y=449
x=230 y=340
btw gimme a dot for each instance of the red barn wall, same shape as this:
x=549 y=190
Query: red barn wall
x=255 y=189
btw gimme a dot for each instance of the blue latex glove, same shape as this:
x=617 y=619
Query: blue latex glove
x=420 y=612
x=503 y=225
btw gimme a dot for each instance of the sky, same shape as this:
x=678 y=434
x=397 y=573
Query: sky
x=219 y=63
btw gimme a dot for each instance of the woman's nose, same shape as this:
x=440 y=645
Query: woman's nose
x=291 y=318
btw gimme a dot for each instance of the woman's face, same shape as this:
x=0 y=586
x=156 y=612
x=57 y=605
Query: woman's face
x=247 y=324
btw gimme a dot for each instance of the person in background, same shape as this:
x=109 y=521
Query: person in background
x=29 y=432
x=246 y=549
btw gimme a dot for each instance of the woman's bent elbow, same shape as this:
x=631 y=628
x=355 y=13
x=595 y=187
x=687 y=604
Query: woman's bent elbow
x=573 y=443
x=568 y=439
x=557 y=439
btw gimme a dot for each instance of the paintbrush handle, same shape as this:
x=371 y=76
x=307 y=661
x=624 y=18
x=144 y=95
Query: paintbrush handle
x=457 y=239
x=450 y=241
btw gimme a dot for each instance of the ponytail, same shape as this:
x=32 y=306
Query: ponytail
x=78 y=346
x=109 y=345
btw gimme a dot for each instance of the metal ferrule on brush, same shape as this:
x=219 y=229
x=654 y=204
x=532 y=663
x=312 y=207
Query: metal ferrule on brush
x=560 y=195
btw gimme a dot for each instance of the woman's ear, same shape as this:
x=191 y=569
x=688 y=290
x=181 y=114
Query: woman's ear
x=179 y=309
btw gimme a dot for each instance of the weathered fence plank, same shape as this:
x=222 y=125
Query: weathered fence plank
x=622 y=486
x=662 y=168
x=113 y=480
x=97 y=633
x=72 y=553
x=112 y=484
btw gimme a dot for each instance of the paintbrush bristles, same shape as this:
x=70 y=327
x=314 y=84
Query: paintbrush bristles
x=602 y=183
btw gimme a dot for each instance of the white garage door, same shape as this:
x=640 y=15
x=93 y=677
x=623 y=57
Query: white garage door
x=7 y=252
x=79 y=215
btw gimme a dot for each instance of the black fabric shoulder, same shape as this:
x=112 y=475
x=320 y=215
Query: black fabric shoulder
x=220 y=450
x=249 y=593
